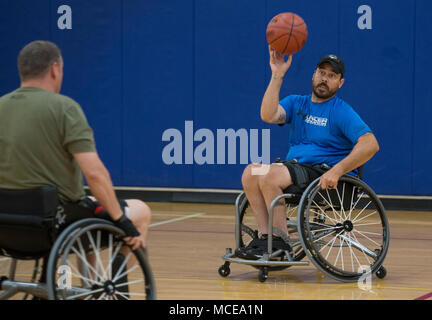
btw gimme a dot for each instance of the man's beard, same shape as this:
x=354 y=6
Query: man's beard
x=323 y=95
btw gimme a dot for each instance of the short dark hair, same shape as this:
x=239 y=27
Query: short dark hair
x=35 y=59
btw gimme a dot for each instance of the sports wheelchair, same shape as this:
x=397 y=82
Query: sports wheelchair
x=81 y=257
x=344 y=231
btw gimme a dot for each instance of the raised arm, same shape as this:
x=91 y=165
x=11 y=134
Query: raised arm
x=271 y=111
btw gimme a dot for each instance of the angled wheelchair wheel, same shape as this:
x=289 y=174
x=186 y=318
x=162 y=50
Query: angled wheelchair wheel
x=5 y=264
x=87 y=263
x=5 y=270
x=11 y=269
x=248 y=231
x=344 y=231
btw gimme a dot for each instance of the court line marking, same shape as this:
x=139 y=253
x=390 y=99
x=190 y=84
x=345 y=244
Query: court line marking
x=157 y=224
x=426 y=296
x=171 y=213
x=176 y=219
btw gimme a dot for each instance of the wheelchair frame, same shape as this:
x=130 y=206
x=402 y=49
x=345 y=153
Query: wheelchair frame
x=67 y=238
x=269 y=259
x=82 y=237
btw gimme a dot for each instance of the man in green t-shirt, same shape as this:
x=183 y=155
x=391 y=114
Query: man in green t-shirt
x=45 y=140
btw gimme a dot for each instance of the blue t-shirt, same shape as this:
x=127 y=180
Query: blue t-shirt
x=321 y=132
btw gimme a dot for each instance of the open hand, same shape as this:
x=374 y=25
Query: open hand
x=278 y=64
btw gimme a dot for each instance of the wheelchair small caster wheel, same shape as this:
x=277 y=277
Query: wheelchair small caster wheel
x=263 y=275
x=224 y=270
x=381 y=273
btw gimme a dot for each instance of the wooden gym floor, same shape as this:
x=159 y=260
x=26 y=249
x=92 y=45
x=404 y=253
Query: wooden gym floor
x=185 y=255
x=186 y=242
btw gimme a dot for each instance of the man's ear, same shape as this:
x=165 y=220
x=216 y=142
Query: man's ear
x=342 y=81
x=55 y=70
x=52 y=71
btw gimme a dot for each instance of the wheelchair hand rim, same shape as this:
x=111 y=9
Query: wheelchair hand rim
x=317 y=259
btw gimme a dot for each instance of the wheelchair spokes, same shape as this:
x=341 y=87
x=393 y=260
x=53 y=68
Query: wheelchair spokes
x=11 y=269
x=83 y=258
x=345 y=229
x=291 y=214
x=5 y=263
x=99 y=274
x=5 y=270
x=248 y=232
x=103 y=267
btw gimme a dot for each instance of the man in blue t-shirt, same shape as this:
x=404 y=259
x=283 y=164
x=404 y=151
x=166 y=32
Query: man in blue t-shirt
x=323 y=129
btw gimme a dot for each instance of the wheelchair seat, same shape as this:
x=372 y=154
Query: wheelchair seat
x=27 y=220
x=296 y=193
x=35 y=225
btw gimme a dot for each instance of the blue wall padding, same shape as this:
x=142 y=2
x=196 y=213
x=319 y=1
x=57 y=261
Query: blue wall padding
x=140 y=67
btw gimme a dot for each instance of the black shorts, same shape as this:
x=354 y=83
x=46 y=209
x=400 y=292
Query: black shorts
x=84 y=209
x=302 y=175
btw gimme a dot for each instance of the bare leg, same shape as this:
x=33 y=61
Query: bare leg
x=261 y=189
x=253 y=193
x=140 y=215
x=272 y=185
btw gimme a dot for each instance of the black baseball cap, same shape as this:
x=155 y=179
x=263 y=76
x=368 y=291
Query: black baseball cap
x=336 y=62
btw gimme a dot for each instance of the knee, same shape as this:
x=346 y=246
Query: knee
x=145 y=212
x=140 y=212
x=277 y=176
x=251 y=175
x=246 y=176
x=267 y=180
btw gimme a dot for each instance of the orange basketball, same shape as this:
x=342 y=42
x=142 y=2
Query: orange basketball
x=287 y=33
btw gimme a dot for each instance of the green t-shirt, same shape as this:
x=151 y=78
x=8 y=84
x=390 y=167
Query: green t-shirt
x=39 y=132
